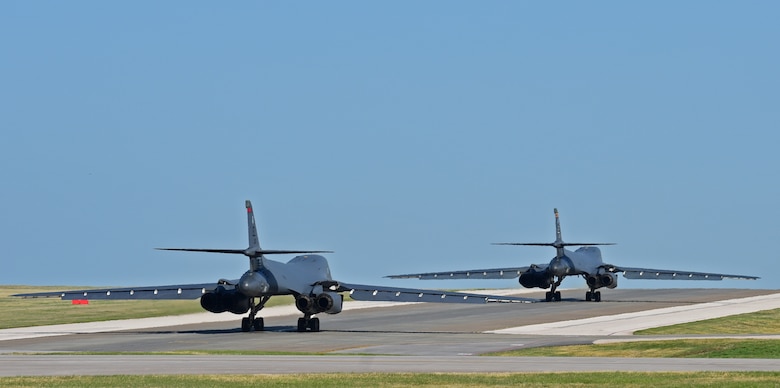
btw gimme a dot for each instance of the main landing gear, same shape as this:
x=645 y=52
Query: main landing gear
x=593 y=295
x=307 y=322
x=553 y=295
x=252 y=322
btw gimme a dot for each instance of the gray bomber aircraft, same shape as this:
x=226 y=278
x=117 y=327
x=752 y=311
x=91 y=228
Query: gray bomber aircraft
x=585 y=261
x=306 y=277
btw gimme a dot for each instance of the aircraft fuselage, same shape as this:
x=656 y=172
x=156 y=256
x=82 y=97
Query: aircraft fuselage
x=585 y=260
x=296 y=276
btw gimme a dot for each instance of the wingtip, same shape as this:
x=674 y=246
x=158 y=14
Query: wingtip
x=248 y=204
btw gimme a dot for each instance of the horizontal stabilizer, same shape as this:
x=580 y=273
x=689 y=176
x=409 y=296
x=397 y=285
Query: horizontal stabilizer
x=283 y=252
x=243 y=251
x=558 y=243
x=562 y=244
x=234 y=251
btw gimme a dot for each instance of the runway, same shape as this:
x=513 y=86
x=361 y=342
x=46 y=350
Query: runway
x=142 y=365
x=416 y=336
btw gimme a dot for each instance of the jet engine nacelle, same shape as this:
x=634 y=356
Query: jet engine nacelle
x=326 y=302
x=608 y=280
x=534 y=279
x=305 y=304
x=329 y=302
x=222 y=300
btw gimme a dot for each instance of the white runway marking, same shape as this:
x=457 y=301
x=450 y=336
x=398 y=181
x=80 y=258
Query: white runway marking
x=628 y=323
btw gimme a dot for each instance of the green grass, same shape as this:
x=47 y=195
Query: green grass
x=21 y=312
x=694 y=348
x=689 y=348
x=594 y=379
x=761 y=322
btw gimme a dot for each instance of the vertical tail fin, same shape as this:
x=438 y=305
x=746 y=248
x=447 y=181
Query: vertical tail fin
x=558 y=244
x=254 y=241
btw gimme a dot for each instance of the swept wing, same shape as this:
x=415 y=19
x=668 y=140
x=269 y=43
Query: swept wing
x=356 y=291
x=175 y=291
x=668 y=274
x=395 y=294
x=492 y=273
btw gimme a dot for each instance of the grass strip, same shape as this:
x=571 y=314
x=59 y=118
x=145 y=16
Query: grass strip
x=688 y=348
x=760 y=322
x=591 y=379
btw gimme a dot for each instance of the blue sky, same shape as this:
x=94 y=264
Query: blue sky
x=406 y=136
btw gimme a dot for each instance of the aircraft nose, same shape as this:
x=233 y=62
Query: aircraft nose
x=253 y=284
x=561 y=266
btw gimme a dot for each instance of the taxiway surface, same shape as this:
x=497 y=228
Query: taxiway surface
x=419 y=333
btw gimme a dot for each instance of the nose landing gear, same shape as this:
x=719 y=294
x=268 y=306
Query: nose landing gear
x=252 y=322
x=554 y=295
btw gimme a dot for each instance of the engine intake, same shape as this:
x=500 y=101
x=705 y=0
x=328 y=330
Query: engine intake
x=305 y=304
x=329 y=302
x=221 y=300
x=534 y=279
x=608 y=280
x=326 y=302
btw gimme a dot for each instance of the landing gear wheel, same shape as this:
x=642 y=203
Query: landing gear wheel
x=588 y=296
x=258 y=324
x=557 y=296
x=252 y=322
x=314 y=324
x=301 y=324
x=597 y=296
x=548 y=296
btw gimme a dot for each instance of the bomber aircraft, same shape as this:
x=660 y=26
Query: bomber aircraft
x=306 y=277
x=585 y=261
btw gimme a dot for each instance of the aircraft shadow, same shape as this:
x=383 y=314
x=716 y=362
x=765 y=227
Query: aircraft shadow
x=646 y=301
x=288 y=329
x=276 y=329
x=578 y=300
x=402 y=332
